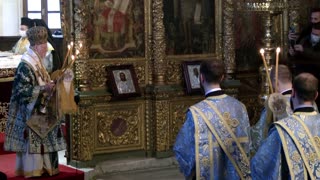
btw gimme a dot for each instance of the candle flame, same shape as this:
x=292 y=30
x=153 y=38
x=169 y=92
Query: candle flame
x=71 y=43
x=80 y=45
x=77 y=52
x=72 y=57
x=278 y=49
x=262 y=51
x=69 y=47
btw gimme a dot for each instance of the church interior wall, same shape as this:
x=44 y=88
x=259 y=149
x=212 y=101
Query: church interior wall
x=147 y=35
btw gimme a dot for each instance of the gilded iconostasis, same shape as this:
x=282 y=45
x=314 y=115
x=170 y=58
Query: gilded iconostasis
x=157 y=46
x=160 y=41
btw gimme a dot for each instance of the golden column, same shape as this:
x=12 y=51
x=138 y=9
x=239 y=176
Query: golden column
x=159 y=44
x=228 y=39
x=268 y=9
x=159 y=91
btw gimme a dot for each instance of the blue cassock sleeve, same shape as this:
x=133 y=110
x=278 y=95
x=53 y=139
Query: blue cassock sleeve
x=267 y=161
x=184 y=147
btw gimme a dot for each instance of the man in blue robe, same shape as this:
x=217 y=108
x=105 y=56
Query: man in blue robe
x=214 y=141
x=291 y=150
x=284 y=84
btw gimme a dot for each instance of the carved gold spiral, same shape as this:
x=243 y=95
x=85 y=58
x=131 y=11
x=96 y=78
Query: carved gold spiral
x=162 y=124
x=159 y=44
x=82 y=136
x=228 y=36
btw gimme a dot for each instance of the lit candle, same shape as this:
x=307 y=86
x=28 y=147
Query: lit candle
x=277 y=63
x=73 y=58
x=267 y=69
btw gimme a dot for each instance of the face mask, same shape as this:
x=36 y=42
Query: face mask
x=23 y=33
x=315 y=38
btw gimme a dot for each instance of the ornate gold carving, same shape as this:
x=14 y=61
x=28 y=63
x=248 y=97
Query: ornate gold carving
x=67 y=20
x=228 y=37
x=80 y=21
x=174 y=72
x=8 y=72
x=94 y=73
x=4 y=108
x=131 y=136
x=159 y=45
x=81 y=74
x=82 y=135
x=164 y=106
x=177 y=114
x=162 y=126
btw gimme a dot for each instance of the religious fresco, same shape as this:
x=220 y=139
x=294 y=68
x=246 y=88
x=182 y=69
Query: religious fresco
x=117 y=29
x=189 y=26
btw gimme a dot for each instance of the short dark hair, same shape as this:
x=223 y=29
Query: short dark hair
x=313 y=10
x=212 y=70
x=27 y=22
x=306 y=86
x=284 y=74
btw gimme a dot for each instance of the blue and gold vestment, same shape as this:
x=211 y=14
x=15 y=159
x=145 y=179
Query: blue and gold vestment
x=214 y=141
x=25 y=100
x=260 y=130
x=291 y=150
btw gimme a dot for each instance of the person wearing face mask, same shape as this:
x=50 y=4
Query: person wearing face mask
x=33 y=128
x=21 y=46
x=305 y=56
x=291 y=150
x=296 y=37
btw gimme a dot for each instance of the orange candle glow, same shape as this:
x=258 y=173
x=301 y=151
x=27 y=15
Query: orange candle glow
x=267 y=69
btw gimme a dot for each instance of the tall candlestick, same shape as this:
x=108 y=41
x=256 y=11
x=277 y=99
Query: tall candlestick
x=277 y=65
x=67 y=55
x=267 y=69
